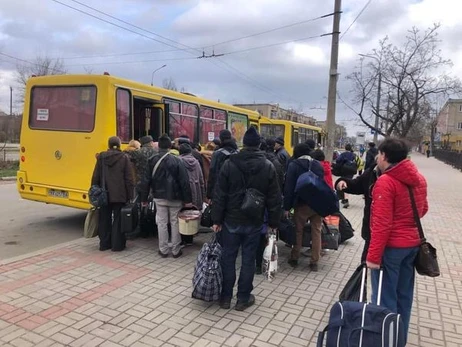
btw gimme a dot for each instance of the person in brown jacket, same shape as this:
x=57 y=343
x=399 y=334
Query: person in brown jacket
x=119 y=182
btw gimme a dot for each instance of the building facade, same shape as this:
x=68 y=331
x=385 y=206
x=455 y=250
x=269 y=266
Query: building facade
x=273 y=111
x=449 y=125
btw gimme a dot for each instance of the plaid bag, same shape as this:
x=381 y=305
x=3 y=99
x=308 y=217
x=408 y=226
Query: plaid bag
x=208 y=278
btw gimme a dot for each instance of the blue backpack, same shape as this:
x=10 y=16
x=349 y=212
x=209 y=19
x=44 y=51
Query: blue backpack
x=315 y=192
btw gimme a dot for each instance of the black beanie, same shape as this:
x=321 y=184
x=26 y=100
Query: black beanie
x=279 y=140
x=165 y=142
x=185 y=148
x=251 y=138
x=146 y=139
x=225 y=135
x=113 y=142
x=311 y=143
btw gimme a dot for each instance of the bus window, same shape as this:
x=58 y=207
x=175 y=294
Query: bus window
x=294 y=137
x=272 y=130
x=123 y=115
x=237 y=124
x=183 y=119
x=66 y=108
x=302 y=135
x=212 y=121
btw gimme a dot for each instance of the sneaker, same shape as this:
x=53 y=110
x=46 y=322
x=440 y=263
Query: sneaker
x=258 y=270
x=314 y=267
x=179 y=254
x=225 y=304
x=293 y=262
x=163 y=255
x=241 y=306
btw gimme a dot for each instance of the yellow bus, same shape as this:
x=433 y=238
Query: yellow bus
x=293 y=133
x=67 y=120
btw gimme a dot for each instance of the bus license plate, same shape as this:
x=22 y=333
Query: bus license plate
x=58 y=193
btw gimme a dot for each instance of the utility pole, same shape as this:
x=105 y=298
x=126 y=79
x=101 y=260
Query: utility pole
x=333 y=74
x=11 y=101
x=377 y=110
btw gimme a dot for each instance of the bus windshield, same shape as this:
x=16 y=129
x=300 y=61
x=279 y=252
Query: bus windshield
x=65 y=108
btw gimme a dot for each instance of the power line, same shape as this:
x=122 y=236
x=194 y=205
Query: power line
x=271 y=30
x=117 y=54
x=354 y=21
x=134 y=61
x=31 y=63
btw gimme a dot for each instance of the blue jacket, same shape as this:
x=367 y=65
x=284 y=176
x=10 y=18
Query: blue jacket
x=295 y=169
x=345 y=157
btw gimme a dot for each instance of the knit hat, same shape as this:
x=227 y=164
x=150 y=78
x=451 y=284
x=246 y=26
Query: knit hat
x=183 y=139
x=146 y=139
x=185 y=148
x=165 y=142
x=311 y=143
x=279 y=140
x=225 y=135
x=251 y=138
x=113 y=142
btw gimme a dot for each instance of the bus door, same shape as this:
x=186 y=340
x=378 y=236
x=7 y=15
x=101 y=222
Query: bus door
x=155 y=120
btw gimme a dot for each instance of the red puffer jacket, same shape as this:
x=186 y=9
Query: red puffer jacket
x=392 y=220
x=327 y=173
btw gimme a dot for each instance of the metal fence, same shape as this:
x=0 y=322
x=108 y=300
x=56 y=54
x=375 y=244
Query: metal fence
x=452 y=158
x=9 y=153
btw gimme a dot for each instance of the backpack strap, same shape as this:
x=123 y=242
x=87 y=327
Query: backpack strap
x=157 y=164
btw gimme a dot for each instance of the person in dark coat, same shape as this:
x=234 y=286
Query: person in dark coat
x=271 y=156
x=361 y=185
x=370 y=156
x=347 y=156
x=247 y=169
x=281 y=152
x=195 y=151
x=170 y=188
x=120 y=183
x=302 y=212
x=228 y=147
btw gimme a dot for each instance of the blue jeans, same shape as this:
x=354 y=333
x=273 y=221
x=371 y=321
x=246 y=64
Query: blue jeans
x=232 y=238
x=398 y=282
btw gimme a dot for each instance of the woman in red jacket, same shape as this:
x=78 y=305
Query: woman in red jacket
x=394 y=234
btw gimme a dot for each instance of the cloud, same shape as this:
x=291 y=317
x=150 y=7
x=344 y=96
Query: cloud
x=291 y=74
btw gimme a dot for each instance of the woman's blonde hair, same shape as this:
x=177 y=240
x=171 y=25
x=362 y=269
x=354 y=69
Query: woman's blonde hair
x=134 y=144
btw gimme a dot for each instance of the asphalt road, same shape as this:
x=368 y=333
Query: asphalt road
x=27 y=226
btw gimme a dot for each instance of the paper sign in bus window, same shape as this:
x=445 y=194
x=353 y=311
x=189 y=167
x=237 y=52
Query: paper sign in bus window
x=211 y=135
x=42 y=114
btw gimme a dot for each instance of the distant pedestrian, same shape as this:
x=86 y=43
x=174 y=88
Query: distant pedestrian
x=119 y=182
x=281 y=152
x=370 y=156
x=239 y=229
x=428 y=153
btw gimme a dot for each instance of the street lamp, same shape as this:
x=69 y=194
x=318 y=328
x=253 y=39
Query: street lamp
x=377 y=107
x=152 y=76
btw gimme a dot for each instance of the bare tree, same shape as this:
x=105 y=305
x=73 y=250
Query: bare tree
x=169 y=83
x=40 y=66
x=411 y=75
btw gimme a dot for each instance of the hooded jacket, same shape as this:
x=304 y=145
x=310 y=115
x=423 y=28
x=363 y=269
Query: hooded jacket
x=392 y=219
x=218 y=158
x=230 y=189
x=170 y=182
x=119 y=178
x=283 y=157
x=196 y=179
x=295 y=169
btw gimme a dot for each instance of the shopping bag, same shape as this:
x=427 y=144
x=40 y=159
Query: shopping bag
x=270 y=257
x=90 y=228
x=352 y=289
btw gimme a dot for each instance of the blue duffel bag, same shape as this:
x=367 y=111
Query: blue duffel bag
x=359 y=324
x=315 y=192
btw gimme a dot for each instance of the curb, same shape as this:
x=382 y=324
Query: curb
x=11 y=178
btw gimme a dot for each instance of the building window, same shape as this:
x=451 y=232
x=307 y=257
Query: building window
x=460 y=108
x=458 y=143
x=459 y=126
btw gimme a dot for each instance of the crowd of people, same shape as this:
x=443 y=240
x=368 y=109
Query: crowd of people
x=175 y=175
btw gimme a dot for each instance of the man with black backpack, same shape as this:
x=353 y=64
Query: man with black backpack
x=247 y=185
x=227 y=147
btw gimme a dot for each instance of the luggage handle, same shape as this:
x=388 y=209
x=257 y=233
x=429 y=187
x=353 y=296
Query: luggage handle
x=363 y=284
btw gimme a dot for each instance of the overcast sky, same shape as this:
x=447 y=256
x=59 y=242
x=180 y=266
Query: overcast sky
x=293 y=74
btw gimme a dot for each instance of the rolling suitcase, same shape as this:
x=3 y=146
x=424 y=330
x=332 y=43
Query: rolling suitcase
x=358 y=324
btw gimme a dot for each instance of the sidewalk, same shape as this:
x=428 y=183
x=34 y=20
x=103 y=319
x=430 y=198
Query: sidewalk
x=74 y=295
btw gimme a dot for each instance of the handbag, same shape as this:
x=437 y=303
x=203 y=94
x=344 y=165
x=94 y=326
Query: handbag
x=206 y=218
x=90 y=228
x=98 y=193
x=253 y=204
x=426 y=262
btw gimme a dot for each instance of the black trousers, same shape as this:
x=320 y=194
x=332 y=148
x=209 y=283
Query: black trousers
x=110 y=232
x=365 y=250
x=260 y=249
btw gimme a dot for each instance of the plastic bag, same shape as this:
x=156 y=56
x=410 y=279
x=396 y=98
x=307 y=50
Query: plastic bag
x=270 y=257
